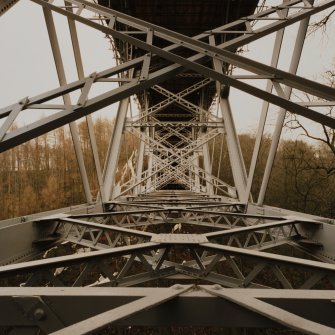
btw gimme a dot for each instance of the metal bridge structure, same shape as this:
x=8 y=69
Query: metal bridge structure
x=168 y=241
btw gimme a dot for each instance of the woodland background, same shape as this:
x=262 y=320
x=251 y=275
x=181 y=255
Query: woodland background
x=42 y=174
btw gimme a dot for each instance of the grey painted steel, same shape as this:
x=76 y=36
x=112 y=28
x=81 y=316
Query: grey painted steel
x=204 y=48
x=89 y=122
x=158 y=143
x=17 y=241
x=298 y=46
x=276 y=314
x=176 y=156
x=5 y=5
x=163 y=241
x=217 y=309
x=25 y=231
x=11 y=117
x=94 y=104
x=114 y=149
x=265 y=107
x=146 y=231
x=67 y=100
x=53 y=263
x=139 y=167
x=235 y=153
x=98 y=321
x=250 y=228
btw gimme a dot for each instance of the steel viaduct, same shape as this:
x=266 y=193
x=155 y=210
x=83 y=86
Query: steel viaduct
x=169 y=242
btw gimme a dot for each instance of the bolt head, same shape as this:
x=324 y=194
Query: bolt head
x=177 y=287
x=217 y=287
x=39 y=314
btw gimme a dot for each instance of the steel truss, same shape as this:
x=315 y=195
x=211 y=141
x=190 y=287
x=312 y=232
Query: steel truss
x=142 y=230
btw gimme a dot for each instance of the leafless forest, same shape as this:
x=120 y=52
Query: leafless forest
x=42 y=174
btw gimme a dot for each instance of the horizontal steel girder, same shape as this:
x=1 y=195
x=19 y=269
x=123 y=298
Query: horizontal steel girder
x=307 y=311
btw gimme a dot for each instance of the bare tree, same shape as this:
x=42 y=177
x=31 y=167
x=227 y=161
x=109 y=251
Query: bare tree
x=327 y=135
x=321 y=23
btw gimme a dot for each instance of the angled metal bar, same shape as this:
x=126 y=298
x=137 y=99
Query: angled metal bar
x=76 y=85
x=100 y=320
x=272 y=258
x=251 y=228
x=67 y=100
x=181 y=101
x=61 y=301
x=208 y=50
x=281 y=277
x=103 y=227
x=280 y=74
x=86 y=89
x=11 y=117
x=272 y=312
x=139 y=166
x=265 y=107
x=56 y=262
x=298 y=46
x=108 y=227
x=218 y=212
x=207 y=168
x=126 y=266
x=79 y=281
x=183 y=163
x=253 y=273
x=114 y=149
x=142 y=210
x=147 y=58
x=234 y=148
x=161 y=32
x=315 y=278
x=205 y=153
x=187 y=151
x=163 y=104
x=106 y=99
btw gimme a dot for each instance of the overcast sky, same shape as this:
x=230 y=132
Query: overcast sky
x=27 y=68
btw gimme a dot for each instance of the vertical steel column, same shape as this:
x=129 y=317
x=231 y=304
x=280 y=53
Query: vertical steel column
x=265 y=106
x=196 y=172
x=90 y=127
x=208 y=169
x=234 y=149
x=142 y=149
x=233 y=143
x=62 y=80
x=154 y=172
x=299 y=43
x=139 y=167
x=150 y=154
x=114 y=149
x=205 y=152
x=150 y=165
